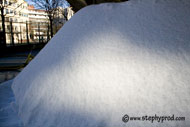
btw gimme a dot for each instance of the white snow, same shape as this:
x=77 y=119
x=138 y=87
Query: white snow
x=8 y=110
x=110 y=60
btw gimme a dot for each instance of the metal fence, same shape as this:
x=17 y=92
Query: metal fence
x=26 y=32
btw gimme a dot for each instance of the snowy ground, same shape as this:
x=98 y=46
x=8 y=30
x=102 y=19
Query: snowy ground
x=8 y=114
x=7 y=75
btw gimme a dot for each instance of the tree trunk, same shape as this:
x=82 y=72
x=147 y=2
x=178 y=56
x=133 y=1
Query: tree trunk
x=3 y=27
x=78 y=4
x=48 y=34
x=51 y=26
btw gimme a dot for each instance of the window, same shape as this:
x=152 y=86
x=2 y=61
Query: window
x=8 y=27
x=15 y=28
x=6 y=18
x=7 y=11
x=6 y=2
x=25 y=15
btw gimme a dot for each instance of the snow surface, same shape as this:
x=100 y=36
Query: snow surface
x=8 y=110
x=110 y=60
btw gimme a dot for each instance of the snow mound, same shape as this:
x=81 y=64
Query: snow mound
x=110 y=60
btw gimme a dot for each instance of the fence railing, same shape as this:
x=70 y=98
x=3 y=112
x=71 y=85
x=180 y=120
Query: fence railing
x=26 y=32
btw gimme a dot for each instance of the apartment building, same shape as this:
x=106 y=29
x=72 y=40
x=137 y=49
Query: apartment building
x=61 y=16
x=24 y=23
x=16 y=15
x=38 y=26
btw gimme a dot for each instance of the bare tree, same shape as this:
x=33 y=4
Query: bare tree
x=50 y=6
x=3 y=5
x=64 y=13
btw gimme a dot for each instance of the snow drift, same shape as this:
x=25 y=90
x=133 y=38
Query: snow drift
x=110 y=60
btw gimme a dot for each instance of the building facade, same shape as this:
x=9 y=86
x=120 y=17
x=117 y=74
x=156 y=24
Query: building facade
x=16 y=16
x=38 y=24
x=24 y=23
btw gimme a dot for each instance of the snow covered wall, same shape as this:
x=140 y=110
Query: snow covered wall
x=110 y=60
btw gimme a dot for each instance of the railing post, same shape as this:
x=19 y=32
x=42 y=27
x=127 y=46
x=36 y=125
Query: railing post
x=12 y=34
x=39 y=31
x=27 y=33
x=48 y=33
x=20 y=34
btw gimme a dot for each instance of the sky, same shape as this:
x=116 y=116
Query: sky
x=31 y=3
